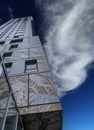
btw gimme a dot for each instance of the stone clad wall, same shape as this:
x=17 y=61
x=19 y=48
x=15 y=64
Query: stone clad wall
x=43 y=121
x=35 y=92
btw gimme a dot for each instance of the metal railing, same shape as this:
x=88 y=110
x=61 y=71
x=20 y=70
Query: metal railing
x=11 y=94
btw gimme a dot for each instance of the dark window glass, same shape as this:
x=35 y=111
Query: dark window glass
x=13 y=46
x=31 y=65
x=16 y=40
x=8 y=67
x=16 y=36
x=2 y=42
x=7 y=55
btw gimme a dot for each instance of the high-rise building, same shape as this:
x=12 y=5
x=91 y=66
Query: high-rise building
x=28 y=96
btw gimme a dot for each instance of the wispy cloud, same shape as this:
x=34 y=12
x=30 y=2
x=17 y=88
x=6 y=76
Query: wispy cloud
x=10 y=10
x=6 y=13
x=69 y=40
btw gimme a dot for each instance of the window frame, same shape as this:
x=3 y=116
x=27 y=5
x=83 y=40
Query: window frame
x=7 y=55
x=13 y=46
x=16 y=40
x=8 y=67
x=2 y=42
x=32 y=66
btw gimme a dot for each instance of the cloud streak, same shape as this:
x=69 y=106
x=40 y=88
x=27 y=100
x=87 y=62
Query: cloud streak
x=69 y=40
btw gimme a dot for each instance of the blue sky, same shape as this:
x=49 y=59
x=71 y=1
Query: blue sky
x=78 y=104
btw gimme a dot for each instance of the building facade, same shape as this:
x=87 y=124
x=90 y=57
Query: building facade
x=30 y=79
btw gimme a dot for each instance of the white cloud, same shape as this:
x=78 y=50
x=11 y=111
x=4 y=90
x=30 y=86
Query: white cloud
x=69 y=41
x=10 y=12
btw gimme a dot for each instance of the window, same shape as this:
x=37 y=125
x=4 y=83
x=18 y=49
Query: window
x=31 y=65
x=7 y=55
x=16 y=40
x=13 y=46
x=16 y=36
x=33 y=28
x=8 y=67
x=2 y=42
x=19 y=33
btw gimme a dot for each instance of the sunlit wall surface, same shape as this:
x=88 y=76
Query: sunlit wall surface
x=29 y=75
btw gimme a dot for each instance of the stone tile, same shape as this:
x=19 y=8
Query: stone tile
x=20 y=88
x=43 y=121
x=4 y=93
x=41 y=91
x=40 y=108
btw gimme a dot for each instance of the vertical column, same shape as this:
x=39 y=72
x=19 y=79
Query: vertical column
x=11 y=37
x=26 y=35
x=10 y=30
x=3 y=27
